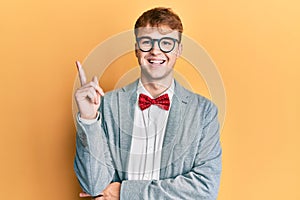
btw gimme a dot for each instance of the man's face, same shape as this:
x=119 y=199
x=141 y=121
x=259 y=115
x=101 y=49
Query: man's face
x=156 y=63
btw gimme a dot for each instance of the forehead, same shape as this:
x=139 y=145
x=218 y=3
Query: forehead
x=157 y=32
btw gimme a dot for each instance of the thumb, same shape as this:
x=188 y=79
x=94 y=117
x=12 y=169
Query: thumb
x=97 y=99
x=100 y=91
x=95 y=79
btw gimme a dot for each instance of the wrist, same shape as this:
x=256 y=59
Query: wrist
x=89 y=121
x=88 y=117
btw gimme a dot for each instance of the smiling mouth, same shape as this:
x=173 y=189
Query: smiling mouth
x=151 y=61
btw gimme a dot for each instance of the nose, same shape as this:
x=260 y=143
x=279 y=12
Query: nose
x=155 y=49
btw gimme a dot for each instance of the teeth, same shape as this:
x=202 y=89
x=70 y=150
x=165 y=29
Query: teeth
x=156 y=61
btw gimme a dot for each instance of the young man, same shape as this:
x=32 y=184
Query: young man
x=152 y=139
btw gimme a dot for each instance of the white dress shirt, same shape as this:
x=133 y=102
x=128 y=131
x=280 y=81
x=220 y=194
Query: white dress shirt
x=147 y=138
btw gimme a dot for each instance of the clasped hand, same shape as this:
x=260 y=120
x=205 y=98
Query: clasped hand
x=111 y=192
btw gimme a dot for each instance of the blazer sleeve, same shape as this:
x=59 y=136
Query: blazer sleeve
x=93 y=163
x=201 y=182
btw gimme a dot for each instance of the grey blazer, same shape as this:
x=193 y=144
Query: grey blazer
x=191 y=155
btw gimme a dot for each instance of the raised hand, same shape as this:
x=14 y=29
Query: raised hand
x=88 y=95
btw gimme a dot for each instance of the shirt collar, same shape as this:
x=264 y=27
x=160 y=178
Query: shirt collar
x=142 y=89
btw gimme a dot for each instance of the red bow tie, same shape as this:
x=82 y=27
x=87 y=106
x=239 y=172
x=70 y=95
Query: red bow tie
x=162 y=101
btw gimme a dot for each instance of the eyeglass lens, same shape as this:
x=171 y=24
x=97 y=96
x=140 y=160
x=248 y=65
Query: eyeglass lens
x=165 y=44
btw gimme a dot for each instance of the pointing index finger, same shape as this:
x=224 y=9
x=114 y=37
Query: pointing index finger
x=81 y=73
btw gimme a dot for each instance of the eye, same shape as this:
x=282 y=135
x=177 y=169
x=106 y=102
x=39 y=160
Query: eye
x=145 y=42
x=166 y=43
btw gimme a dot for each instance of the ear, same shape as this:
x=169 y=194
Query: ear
x=179 y=51
x=136 y=49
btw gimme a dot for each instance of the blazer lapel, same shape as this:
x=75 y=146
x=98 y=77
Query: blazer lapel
x=177 y=111
x=126 y=101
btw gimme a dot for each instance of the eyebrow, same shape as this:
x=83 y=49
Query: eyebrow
x=158 y=38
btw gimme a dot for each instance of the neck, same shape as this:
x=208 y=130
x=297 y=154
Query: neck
x=156 y=88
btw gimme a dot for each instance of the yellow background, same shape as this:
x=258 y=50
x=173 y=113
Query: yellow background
x=255 y=45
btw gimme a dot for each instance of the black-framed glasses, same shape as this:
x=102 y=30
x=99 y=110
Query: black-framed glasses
x=165 y=44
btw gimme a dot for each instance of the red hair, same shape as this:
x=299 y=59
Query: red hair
x=157 y=17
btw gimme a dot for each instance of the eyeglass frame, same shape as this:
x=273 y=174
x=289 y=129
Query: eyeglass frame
x=158 y=42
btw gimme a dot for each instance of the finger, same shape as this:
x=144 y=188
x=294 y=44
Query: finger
x=98 y=88
x=92 y=95
x=81 y=73
x=95 y=86
x=97 y=100
x=83 y=194
x=88 y=92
